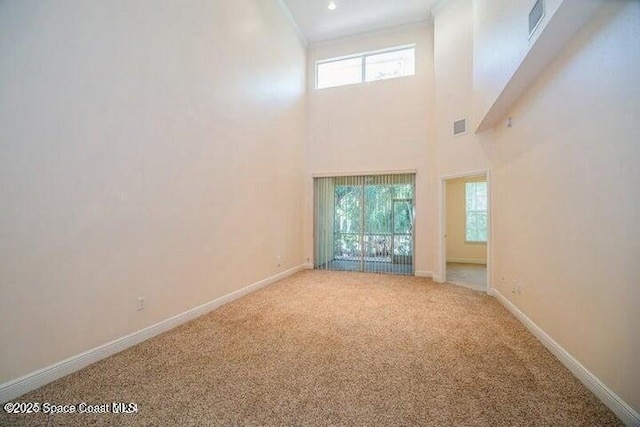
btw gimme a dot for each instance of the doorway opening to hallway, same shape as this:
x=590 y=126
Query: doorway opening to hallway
x=465 y=231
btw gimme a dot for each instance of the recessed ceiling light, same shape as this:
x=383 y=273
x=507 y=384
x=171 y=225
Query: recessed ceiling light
x=332 y=5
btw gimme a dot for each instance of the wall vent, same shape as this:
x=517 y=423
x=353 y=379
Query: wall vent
x=535 y=16
x=459 y=127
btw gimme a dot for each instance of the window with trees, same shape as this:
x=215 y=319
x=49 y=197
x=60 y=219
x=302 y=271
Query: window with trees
x=365 y=223
x=366 y=67
x=476 y=212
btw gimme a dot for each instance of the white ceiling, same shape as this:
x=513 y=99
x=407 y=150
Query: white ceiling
x=317 y=23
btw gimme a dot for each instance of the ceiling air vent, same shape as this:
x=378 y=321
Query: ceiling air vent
x=459 y=127
x=535 y=16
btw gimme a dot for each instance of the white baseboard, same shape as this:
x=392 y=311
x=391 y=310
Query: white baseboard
x=437 y=278
x=419 y=273
x=619 y=407
x=18 y=387
x=467 y=261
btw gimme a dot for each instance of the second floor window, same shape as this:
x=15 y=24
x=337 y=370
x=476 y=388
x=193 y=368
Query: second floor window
x=366 y=67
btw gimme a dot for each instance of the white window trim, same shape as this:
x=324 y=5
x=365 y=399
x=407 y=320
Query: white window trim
x=363 y=58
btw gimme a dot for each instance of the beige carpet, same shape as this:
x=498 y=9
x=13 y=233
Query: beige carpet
x=335 y=348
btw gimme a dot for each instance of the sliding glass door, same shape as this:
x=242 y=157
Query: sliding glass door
x=364 y=223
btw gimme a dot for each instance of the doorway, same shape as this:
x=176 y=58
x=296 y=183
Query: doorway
x=364 y=223
x=464 y=231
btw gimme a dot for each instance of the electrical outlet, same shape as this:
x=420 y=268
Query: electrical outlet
x=516 y=287
x=141 y=303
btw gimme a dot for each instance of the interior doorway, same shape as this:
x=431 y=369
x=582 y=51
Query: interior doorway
x=465 y=230
x=364 y=223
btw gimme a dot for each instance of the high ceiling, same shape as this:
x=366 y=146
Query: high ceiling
x=317 y=23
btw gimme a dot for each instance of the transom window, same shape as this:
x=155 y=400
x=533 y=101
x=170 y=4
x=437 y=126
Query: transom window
x=366 y=67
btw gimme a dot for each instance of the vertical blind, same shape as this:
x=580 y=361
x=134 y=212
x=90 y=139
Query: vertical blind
x=365 y=223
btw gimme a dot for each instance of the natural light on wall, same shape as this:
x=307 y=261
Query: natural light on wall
x=366 y=67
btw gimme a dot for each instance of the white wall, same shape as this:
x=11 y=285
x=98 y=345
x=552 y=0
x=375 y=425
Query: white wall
x=376 y=126
x=565 y=183
x=507 y=59
x=453 y=70
x=133 y=138
x=563 y=178
x=501 y=42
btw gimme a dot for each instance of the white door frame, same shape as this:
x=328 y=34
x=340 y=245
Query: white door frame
x=441 y=277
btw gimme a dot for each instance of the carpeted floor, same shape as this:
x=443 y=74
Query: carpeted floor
x=335 y=348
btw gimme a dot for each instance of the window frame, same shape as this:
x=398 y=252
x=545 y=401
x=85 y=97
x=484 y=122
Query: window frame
x=476 y=211
x=363 y=64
